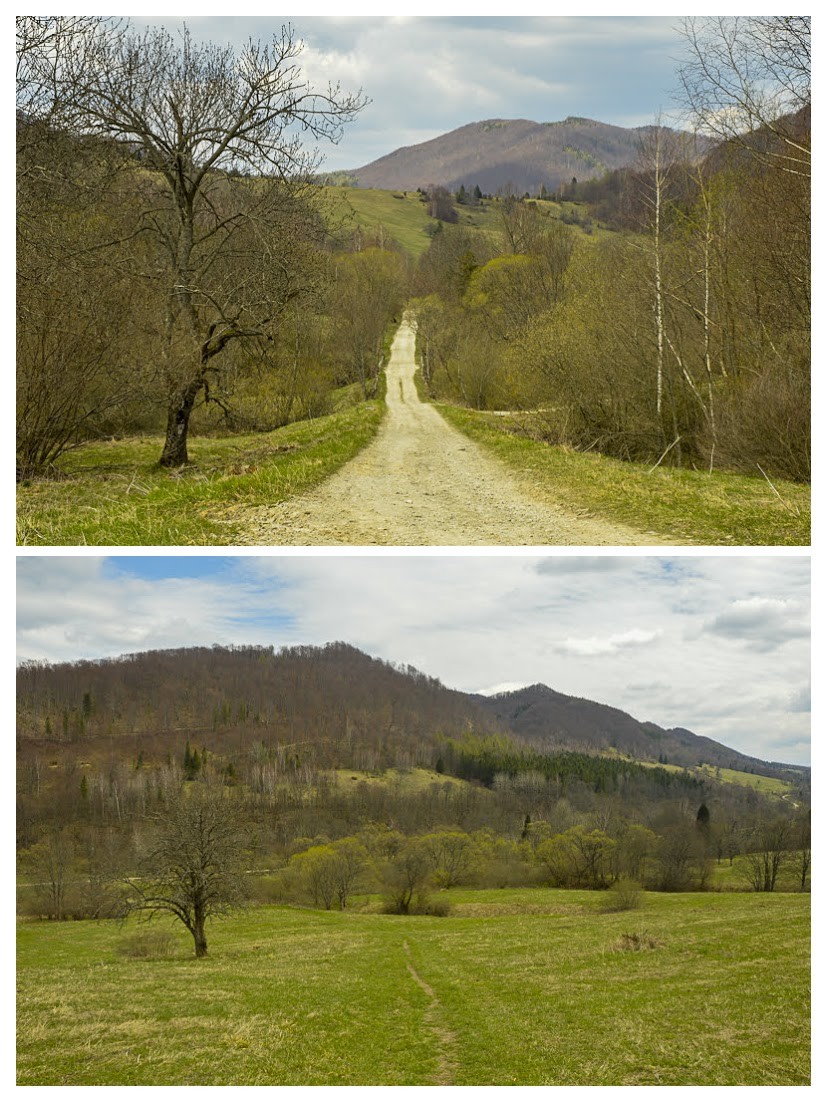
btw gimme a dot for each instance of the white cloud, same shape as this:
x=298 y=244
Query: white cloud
x=607 y=644
x=761 y=623
x=631 y=631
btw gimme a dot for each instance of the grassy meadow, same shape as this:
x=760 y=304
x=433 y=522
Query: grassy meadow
x=114 y=492
x=522 y=986
x=402 y=215
x=682 y=506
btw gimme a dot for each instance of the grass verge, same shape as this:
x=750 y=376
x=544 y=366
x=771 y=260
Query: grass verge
x=115 y=492
x=680 y=505
x=517 y=987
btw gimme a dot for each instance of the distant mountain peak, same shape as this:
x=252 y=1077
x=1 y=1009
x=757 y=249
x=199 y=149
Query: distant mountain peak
x=309 y=691
x=517 y=153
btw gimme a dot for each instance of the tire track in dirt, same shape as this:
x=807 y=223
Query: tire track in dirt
x=446 y=1040
x=421 y=482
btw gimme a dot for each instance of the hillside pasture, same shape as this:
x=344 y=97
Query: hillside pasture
x=401 y=215
x=513 y=987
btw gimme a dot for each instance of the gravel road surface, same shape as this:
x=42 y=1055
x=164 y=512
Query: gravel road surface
x=422 y=482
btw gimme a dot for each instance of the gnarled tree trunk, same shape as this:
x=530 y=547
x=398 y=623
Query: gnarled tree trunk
x=178 y=421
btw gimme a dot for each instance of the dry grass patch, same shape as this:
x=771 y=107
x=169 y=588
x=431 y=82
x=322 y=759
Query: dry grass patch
x=635 y=943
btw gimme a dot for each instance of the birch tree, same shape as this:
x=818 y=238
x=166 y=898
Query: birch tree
x=746 y=78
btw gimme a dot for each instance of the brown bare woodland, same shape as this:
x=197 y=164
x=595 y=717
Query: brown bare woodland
x=170 y=244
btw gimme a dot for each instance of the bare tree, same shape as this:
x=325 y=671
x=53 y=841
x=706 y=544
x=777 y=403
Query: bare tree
x=747 y=74
x=74 y=304
x=197 y=117
x=47 y=46
x=51 y=864
x=802 y=840
x=660 y=153
x=767 y=853
x=193 y=869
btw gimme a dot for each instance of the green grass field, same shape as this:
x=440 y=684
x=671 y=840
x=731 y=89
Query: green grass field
x=771 y=786
x=404 y=217
x=513 y=987
x=115 y=492
x=679 y=505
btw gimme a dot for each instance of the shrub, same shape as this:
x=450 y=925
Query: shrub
x=421 y=904
x=624 y=895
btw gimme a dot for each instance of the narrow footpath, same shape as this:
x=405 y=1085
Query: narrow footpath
x=421 y=482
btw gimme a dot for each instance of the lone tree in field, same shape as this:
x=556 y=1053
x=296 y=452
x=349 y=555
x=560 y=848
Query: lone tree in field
x=194 y=867
x=218 y=136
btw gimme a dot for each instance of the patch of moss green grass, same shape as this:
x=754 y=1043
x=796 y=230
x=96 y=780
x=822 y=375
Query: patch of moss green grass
x=528 y=986
x=403 y=780
x=769 y=786
x=404 y=217
x=116 y=493
x=680 y=505
x=400 y=214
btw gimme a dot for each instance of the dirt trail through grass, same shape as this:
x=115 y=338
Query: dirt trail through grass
x=422 y=482
x=445 y=1039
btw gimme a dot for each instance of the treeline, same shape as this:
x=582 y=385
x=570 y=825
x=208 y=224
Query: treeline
x=315 y=747
x=682 y=338
x=176 y=267
x=346 y=744
x=334 y=699
x=334 y=846
x=491 y=759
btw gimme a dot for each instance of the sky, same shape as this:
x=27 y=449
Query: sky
x=719 y=644
x=426 y=75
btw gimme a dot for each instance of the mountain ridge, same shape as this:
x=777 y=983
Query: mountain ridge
x=494 y=154
x=312 y=692
x=546 y=718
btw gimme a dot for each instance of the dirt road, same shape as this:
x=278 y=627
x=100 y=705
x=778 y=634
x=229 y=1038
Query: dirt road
x=422 y=482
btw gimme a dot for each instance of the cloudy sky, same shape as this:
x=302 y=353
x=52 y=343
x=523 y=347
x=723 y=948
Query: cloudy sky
x=426 y=75
x=716 y=644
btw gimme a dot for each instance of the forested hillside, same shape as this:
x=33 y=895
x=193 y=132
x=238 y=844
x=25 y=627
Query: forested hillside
x=316 y=747
x=507 y=156
x=683 y=337
x=546 y=718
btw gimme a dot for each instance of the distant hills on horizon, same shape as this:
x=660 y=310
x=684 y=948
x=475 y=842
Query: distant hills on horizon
x=517 y=154
x=313 y=692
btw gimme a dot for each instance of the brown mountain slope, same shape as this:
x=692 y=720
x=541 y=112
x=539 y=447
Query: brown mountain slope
x=551 y=720
x=333 y=700
x=507 y=152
